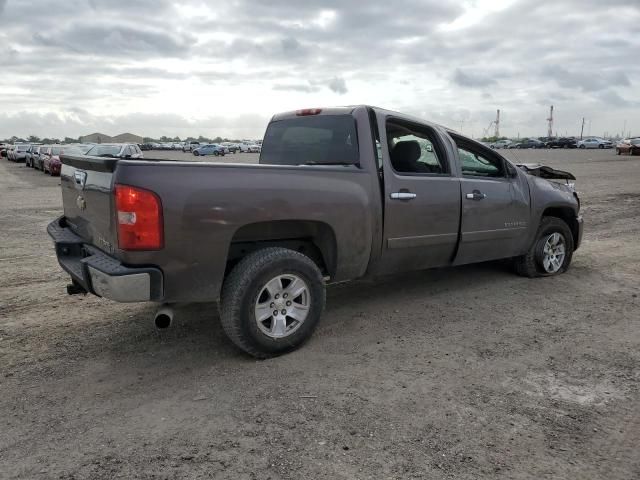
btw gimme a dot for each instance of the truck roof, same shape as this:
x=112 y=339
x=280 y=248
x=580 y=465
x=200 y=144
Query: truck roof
x=349 y=109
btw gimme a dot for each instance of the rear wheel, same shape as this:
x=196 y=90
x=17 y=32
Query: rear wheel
x=550 y=253
x=272 y=301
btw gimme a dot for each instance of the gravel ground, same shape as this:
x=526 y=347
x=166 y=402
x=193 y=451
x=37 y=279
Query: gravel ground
x=464 y=373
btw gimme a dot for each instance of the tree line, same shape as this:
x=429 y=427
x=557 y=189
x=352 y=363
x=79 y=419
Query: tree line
x=163 y=139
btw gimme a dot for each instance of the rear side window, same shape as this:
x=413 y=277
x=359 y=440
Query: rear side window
x=311 y=140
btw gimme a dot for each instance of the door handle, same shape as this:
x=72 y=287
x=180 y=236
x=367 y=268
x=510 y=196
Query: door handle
x=402 y=195
x=476 y=195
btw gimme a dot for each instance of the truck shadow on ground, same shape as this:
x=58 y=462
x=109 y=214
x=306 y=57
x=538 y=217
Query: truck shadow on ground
x=197 y=327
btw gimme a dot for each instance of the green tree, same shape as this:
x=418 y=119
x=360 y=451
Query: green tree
x=33 y=139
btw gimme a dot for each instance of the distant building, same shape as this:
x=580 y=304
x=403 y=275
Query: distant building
x=96 y=138
x=127 y=138
x=102 y=138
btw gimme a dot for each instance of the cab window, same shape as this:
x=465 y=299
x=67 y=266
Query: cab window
x=413 y=149
x=476 y=163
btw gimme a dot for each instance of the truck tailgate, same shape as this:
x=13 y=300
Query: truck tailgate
x=87 y=197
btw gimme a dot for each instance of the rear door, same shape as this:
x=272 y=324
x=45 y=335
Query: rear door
x=495 y=205
x=421 y=197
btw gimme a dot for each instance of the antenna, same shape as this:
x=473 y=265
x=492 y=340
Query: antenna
x=550 y=123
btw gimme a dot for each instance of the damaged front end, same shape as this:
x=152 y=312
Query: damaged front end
x=544 y=171
x=549 y=173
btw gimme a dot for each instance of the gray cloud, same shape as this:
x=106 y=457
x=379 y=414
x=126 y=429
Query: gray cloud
x=115 y=41
x=338 y=85
x=407 y=55
x=472 y=79
x=300 y=87
x=587 y=81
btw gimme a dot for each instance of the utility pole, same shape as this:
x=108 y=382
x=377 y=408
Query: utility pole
x=497 y=134
x=550 y=123
x=624 y=129
x=582 y=129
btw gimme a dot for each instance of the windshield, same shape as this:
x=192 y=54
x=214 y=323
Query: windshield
x=323 y=139
x=104 y=150
x=22 y=148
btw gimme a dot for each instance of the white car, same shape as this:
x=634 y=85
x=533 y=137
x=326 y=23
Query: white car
x=250 y=148
x=190 y=146
x=594 y=142
x=501 y=144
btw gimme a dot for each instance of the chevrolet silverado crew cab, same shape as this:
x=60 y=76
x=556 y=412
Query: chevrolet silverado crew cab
x=338 y=194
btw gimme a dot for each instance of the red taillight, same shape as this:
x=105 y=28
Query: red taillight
x=139 y=217
x=308 y=111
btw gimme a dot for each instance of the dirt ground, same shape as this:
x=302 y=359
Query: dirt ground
x=465 y=373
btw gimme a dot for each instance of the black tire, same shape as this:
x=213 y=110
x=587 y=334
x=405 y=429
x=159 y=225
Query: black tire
x=530 y=264
x=196 y=153
x=600 y=146
x=582 y=146
x=246 y=281
x=215 y=153
x=618 y=152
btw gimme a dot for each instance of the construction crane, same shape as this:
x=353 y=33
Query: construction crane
x=494 y=123
x=550 y=123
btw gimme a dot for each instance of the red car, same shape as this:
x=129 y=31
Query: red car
x=629 y=145
x=50 y=159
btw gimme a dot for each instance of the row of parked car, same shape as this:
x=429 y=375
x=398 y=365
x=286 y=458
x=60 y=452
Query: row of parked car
x=560 y=142
x=192 y=146
x=47 y=157
x=42 y=157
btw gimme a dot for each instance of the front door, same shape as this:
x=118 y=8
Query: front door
x=421 y=198
x=495 y=205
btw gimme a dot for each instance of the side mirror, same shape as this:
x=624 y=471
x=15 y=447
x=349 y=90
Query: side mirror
x=511 y=171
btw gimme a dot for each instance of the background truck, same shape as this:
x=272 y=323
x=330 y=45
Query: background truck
x=338 y=194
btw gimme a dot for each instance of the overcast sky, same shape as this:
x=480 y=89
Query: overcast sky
x=161 y=67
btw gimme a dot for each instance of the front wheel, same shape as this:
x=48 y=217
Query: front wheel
x=272 y=301
x=196 y=153
x=551 y=251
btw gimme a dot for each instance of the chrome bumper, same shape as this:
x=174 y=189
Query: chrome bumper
x=96 y=272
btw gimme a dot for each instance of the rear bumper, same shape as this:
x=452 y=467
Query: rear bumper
x=98 y=273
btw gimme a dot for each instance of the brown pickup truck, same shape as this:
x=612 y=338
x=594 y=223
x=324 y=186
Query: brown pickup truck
x=338 y=194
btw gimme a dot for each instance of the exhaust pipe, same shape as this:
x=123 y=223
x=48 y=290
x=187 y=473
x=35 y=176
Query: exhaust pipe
x=163 y=318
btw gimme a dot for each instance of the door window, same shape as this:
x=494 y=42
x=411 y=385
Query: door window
x=413 y=149
x=477 y=164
